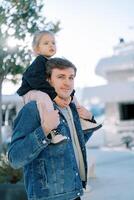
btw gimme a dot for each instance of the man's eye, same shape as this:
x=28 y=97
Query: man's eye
x=72 y=78
x=61 y=77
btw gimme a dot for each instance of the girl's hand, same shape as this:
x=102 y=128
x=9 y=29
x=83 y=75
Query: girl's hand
x=62 y=102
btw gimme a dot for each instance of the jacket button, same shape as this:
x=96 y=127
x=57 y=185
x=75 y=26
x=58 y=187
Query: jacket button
x=44 y=142
x=78 y=194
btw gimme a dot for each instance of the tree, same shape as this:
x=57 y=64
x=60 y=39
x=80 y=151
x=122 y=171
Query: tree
x=18 y=20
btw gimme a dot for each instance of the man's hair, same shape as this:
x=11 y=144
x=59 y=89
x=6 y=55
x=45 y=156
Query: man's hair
x=37 y=37
x=58 y=63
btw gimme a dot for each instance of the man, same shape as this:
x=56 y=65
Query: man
x=52 y=172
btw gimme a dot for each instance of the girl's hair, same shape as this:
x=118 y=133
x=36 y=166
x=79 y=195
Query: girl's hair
x=37 y=37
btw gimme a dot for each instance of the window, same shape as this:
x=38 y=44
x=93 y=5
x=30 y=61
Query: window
x=126 y=111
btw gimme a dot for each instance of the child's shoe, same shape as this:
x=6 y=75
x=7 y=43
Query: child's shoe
x=87 y=125
x=56 y=137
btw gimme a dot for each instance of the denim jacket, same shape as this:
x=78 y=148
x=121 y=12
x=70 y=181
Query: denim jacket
x=50 y=170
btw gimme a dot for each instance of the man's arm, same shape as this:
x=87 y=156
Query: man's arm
x=28 y=138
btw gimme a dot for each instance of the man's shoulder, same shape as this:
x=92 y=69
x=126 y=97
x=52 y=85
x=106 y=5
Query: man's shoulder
x=29 y=108
x=28 y=114
x=72 y=106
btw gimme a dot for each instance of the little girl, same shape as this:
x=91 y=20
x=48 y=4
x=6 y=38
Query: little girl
x=35 y=85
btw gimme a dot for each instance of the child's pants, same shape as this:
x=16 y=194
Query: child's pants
x=44 y=103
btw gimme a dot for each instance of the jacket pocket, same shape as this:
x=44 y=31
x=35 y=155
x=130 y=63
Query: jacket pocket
x=57 y=150
x=40 y=175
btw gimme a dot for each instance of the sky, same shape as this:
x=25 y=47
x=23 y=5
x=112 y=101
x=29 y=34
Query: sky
x=89 y=31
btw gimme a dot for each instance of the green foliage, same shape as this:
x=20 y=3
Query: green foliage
x=7 y=173
x=19 y=19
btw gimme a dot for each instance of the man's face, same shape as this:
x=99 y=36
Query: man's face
x=63 y=81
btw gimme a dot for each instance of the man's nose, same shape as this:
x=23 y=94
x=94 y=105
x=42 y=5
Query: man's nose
x=51 y=44
x=67 y=82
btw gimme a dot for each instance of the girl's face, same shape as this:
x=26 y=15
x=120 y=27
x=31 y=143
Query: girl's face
x=46 y=46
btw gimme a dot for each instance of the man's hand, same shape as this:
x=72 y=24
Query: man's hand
x=84 y=113
x=62 y=102
x=51 y=121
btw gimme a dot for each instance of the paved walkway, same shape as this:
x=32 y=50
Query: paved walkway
x=113 y=175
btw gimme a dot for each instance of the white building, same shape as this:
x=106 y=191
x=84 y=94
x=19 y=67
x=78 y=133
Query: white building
x=11 y=104
x=117 y=94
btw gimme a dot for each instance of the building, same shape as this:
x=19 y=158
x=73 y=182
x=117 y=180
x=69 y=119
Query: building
x=117 y=94
x=11 y=104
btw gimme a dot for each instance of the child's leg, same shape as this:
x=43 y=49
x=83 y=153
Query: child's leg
x=85 y=124
x=44 y=105
x=44 y=102
x=42 y=99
